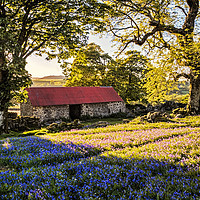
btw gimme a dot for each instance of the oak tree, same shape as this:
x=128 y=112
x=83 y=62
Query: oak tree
x=93 y=67
x=89 y=67
x=52 y=27
x=166 y=28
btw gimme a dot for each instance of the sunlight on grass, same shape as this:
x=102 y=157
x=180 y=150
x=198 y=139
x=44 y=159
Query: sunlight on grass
x=126 y=161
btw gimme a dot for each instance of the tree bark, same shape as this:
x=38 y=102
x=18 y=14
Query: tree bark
x=194 y=95
x=3 y=121
x=4 y=97
x=2 y=113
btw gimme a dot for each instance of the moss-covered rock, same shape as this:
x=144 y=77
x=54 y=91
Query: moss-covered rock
x=64 y=126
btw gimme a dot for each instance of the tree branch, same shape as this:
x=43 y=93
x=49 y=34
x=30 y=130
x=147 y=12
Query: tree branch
x=34 y=49
x=182 y=75
x=188 y=25
x=181 y=9
x=169 y=28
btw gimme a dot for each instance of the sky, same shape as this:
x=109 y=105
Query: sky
x=39 y=67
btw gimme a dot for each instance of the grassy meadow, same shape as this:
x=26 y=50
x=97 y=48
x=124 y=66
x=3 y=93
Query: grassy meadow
x=48 y=81
x=137 y=160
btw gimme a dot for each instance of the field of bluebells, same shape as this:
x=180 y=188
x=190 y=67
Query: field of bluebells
x=128 y=161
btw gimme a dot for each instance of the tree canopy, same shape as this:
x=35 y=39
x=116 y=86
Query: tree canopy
x=167 y=29
x=53 y=27
x=93 y=67
x=89 y=67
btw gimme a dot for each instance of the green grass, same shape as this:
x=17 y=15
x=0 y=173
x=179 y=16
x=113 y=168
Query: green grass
x=136 y=160
x=116 y=124
x=111 y=121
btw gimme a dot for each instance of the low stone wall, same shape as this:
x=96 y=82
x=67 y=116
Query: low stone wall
x=23 y=123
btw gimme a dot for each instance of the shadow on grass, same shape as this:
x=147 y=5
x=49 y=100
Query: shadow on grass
x=19 y=153
x=68 y=171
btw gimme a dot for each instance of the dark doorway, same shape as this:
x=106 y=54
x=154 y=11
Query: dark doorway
x=75 y=111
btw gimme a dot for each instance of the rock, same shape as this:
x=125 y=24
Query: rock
x=157 y=117
x=181 y=111
x=12 y=115
x=149 y=108
x=23 y=123
x=179 y=116
x=125 y=121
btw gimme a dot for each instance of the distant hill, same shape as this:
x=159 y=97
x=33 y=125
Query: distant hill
x=53 y=77
x=48 y=81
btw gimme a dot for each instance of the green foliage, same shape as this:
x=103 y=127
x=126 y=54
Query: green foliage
x=168 y=32
x=157 y=85
x=89 y=67
x=177 y=98
x=93 y=67
x=55 y=28
x=129 y=75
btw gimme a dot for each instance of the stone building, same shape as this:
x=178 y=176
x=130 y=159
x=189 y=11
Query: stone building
x=49 y=103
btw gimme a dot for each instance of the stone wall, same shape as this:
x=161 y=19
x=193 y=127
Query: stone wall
x=102 y=109
x=23 y=123
x=117 y=107
x=46 y=113
x=26 y=108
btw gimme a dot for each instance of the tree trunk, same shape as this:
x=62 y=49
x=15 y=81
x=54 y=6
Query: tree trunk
x=1 y=108
x=4 y=98
x=194 y=95
x=3 y=121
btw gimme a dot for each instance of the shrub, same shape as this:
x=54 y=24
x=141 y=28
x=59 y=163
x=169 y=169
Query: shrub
x=181 y=111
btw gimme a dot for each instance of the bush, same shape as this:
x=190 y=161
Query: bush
x=181 y=111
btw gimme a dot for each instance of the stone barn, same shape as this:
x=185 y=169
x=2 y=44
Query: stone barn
x=49 y=103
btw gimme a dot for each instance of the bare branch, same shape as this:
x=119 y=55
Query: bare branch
x=145 y=37
x=169 y=28
x=34 y=49
x=133 y=22
x=139 y=41
x=181 y=9
x=119 y=29
x=182 y=75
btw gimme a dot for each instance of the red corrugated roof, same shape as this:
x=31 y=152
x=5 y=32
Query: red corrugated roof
x=46 y=96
